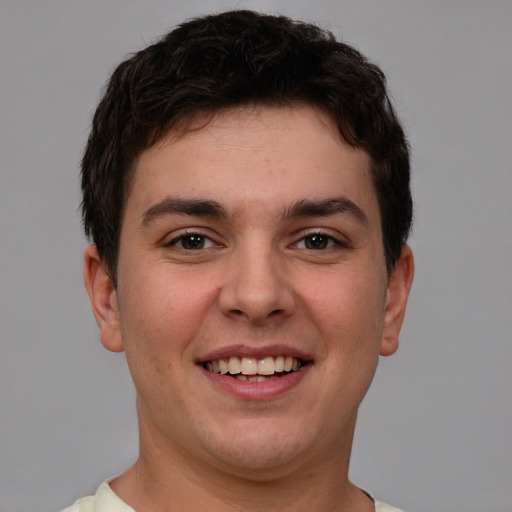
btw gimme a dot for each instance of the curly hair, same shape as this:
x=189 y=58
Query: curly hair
x=238 y=58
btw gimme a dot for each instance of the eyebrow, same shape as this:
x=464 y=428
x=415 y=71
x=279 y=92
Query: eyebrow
x=213 y=209
x=172 y=205
x=324 y=208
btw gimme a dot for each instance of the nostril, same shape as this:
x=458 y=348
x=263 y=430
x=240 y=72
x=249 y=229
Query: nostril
x=255 y=295
x=256 y=317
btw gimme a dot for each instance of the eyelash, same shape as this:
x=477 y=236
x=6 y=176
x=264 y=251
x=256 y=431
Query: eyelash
x=190 y=235
x=324 y=237
x=202 y=239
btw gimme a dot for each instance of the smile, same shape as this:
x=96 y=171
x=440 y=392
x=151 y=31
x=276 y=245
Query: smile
x=249 y=369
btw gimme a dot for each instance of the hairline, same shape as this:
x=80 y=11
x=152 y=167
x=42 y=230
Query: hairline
x=200 y=118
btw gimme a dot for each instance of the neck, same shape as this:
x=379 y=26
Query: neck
x=165 y=479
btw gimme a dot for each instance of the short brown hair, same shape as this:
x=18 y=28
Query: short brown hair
x=231 y=59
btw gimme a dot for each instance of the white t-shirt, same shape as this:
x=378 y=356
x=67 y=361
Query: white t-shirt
x=105 y=500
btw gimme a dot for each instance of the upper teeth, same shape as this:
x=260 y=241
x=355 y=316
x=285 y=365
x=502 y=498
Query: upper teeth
x=252 y=366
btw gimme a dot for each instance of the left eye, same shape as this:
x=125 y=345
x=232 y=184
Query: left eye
x=192 y=242
x=316 y=242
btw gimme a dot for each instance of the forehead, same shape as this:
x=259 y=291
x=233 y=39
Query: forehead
x=271 y=156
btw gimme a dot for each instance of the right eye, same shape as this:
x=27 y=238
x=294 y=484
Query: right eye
x=191 y=242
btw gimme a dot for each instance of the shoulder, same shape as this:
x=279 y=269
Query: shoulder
x=105 y=500
x=382 y=507
x=82 y=505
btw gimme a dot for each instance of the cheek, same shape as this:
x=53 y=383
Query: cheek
x=348 y=312
x=162 y=311
x=347 y=300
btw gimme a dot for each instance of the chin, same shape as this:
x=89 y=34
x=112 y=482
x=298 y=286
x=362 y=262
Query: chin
x=259 y=451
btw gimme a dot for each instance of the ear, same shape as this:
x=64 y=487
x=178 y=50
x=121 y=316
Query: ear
x=399 y=285
x=103 y=297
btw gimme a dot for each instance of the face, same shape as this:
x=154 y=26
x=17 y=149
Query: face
x=252 y=299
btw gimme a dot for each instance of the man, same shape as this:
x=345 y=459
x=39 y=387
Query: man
x=246 y=186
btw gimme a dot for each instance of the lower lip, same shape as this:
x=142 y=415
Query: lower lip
x=258 y=390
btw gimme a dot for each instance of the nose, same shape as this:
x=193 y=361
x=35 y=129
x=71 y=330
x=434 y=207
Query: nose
x=255 y=287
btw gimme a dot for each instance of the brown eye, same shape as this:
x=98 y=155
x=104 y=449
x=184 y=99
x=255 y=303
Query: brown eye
x=316 y=242
x=191 y=242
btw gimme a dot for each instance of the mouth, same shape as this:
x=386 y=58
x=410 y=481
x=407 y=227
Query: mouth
x=251 y=369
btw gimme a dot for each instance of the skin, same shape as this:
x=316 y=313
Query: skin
x=257 y=285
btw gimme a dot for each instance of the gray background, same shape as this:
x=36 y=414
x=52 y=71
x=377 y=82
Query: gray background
x=435 y=430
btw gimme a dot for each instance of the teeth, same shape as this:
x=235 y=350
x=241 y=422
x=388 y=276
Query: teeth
x=234 y=365
x=249 y=366
x=254 y=378
x=266 y=366
x=223 y=366
x=257 y=369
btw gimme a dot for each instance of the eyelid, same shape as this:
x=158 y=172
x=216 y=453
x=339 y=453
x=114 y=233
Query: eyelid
x=182 y=233
x=338 y=238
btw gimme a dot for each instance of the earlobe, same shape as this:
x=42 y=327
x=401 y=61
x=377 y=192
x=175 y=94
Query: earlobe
x=103 y=297
x=399 y=285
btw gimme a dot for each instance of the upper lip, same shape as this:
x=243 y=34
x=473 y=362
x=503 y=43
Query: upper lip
x=254 y=352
